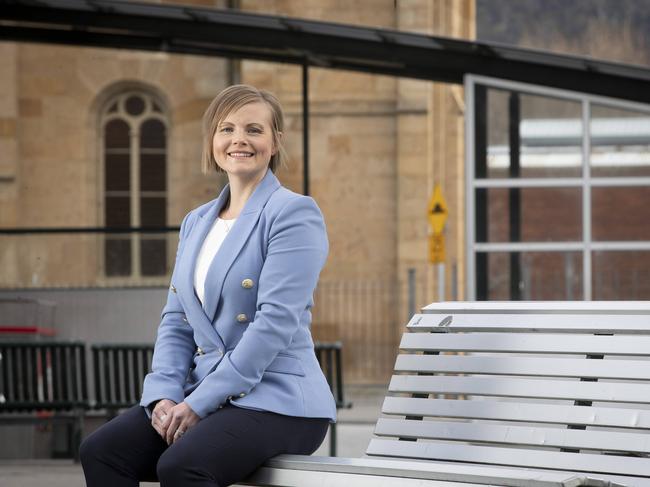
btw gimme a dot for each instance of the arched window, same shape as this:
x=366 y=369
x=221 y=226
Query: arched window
x=134 y=156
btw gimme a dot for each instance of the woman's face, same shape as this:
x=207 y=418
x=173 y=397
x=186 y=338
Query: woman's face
x=243 y=143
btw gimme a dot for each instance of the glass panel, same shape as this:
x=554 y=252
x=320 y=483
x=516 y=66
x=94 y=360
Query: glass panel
x=153 y=211
x=117 y=256
x=621 y=275
x=551 y=137
x=530 y=214
x=134 y=105
x=117 y=172
x=152 y=134
x=621 y=213
x=153 y=256
x=532 y=275
x=620 y=142
x=116 y=135
x=497 y=122
x=77 y=260
x=546 y=134
x=118 y=211
x=152 y=172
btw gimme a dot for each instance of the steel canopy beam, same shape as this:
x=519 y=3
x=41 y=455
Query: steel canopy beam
x=211 y=32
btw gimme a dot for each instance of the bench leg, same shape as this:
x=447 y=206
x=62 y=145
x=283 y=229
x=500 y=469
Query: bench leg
x=333 y=440
x=75 y=437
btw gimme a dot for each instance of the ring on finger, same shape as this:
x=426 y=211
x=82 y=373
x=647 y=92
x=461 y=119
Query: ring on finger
x=179 y=433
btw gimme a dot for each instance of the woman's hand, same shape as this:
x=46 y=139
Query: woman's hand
x=179 y=419
x=160 y=414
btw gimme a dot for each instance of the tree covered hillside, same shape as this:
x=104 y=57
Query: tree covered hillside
x=616 y=30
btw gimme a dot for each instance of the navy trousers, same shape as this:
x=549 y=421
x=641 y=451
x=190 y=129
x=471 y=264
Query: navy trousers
x=222 y=449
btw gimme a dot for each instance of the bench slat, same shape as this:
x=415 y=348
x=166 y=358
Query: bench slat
x=583 y=462
x=280 y=477
x=508 y=434
x=289 y=477
x=526 y=343
x=548 y=367
x=399 y=469
x=512 y=387
x=555 y=323
x=515 y=411
x=540 y=307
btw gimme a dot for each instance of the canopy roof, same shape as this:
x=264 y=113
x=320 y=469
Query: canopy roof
x=228 y=33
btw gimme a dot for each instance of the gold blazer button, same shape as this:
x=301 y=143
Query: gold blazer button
x=172 y=288
x=242 y=318
x=199 y=350
x=247 y=283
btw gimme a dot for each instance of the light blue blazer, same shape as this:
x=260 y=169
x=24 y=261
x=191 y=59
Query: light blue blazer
x=250 y=343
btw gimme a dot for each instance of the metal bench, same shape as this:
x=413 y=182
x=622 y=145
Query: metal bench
x=330 y=360
x=44 y=382
x=119 y=371
x=509 y=394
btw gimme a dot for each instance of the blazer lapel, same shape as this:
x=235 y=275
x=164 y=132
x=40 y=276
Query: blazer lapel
x=235 y=241
x=188 y=264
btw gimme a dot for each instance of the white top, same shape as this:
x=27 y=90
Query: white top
x=211 y=245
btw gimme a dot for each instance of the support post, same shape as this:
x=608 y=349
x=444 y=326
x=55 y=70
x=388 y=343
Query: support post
x=514 y=194
x=411 y=293
x=305 y=128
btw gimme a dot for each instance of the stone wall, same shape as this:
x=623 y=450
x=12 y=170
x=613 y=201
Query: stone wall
x=52 y=162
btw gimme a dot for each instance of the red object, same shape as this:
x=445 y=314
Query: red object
x=28 y=330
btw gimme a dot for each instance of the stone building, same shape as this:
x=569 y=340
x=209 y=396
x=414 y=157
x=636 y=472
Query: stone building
x=98 y=137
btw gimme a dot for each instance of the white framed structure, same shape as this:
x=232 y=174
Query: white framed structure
x=557 y=194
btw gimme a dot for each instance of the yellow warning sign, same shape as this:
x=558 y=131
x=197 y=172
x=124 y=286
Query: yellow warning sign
x=437 y=211
x=436 y=249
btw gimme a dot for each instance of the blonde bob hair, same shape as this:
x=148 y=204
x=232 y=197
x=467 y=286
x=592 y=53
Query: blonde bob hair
x=230 y=100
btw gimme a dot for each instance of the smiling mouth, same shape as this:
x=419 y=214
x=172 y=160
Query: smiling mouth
x=240 y=154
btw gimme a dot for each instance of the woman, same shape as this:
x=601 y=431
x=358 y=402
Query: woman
x=234 y=378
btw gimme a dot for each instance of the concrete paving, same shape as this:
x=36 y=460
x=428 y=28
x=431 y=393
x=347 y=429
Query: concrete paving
x=355 y=428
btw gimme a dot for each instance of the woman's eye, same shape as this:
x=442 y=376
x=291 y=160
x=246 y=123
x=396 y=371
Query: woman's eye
x=255 y=131
x=226 y=129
